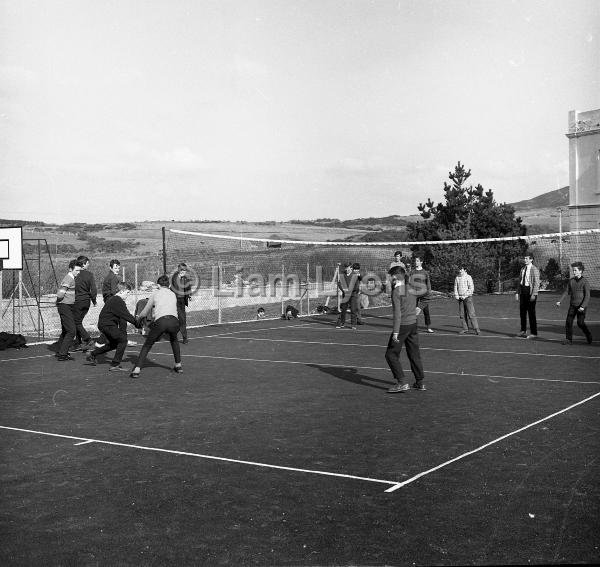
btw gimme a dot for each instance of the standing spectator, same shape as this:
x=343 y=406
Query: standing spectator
x=112 y=322
x=355 y=310
x=350 y=287
x=342 y=283
x=463 y=292
x=527 y=293
x=181 y=287
x=111 y=281
x=421 y=283
x=578 y=289
x=65 y=299
x=404 y=306
x=359 y=300
x=164 y=302
x=398 y=260
x=85 y=292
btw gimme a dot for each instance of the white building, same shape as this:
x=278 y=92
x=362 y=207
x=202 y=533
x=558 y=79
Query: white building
x=584 y=169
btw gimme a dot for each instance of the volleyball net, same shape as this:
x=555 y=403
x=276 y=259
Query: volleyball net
x=235 y=277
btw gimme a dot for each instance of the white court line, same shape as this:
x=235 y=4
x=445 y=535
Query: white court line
x=440 y=315
x=189 y=338
x=25 y=358
x=201 y=456
x=85 y=442
x=249 y=331
x=422 y=474
x=438 y=333
x=376 y=368
x=421 y=347
x=395 y=485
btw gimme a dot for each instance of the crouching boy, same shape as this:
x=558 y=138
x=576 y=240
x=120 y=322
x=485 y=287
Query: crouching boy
x=113 y=324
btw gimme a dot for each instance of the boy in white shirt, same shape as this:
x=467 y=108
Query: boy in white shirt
x=463 y=292
x=164 y=302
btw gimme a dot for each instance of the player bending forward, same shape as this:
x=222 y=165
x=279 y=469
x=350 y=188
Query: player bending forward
x=113 y=325
x=164 y=302
x=404 y=307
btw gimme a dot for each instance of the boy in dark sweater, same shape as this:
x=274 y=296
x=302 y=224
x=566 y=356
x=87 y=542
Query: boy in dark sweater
x=404 y=306
x=182 y=288
x=349 y=284
x=578 y=289
x=113 y=324
x=421 y=282
x=109 y=285
x=85 y=292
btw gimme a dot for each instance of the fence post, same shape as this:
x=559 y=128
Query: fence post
x=282 y=282
x=135 y=293
x=164 y=248
x=20 y=301
x=337 y=281
x=219 y=293
x=307 y=288
x=39 y=293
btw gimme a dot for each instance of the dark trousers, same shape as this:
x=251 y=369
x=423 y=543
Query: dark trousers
x=527 y=307
x=424 y=305
x=80 y=309
x=167 y=324
x=67 y=323
x=182 y=320
x=573 y=311
x=353 y=304
x=116 y=339
x=407 y=336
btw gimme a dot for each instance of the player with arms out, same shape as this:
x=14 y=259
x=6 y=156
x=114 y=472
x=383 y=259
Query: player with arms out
x=404 y=307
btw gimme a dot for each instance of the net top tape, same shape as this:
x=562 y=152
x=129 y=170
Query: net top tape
x=411 y=243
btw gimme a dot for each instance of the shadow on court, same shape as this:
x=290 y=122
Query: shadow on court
x=352 y=375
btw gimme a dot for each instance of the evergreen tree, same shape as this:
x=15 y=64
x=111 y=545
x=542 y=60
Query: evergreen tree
x=466 y=206
x=468 y=212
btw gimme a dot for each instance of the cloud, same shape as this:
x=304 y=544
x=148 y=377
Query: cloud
x=361 y=165
x=180 y=159
x=17 y=80
x=250 y=68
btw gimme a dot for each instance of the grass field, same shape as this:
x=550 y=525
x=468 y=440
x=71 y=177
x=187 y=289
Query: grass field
x=149 y=234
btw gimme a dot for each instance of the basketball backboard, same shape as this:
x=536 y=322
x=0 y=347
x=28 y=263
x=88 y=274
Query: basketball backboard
x=11 y=248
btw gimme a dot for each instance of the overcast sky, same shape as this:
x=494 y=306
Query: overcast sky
x=280 y=109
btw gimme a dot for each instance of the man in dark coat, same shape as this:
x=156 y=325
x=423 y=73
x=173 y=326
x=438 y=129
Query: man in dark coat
x=85 y=293
x=182 y=288
x=113 y=324
x=109 y=285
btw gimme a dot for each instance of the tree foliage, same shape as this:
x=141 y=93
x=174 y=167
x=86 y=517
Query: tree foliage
x=472 y=211
x=468 y=212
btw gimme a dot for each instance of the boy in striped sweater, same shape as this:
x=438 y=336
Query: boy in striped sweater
x=65 y=299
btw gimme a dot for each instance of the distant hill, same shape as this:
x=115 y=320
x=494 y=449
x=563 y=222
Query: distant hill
x=552 y=199
x=392 y=222
x=538 y=213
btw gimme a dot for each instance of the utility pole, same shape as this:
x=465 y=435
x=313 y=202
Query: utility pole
x=560 y=211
